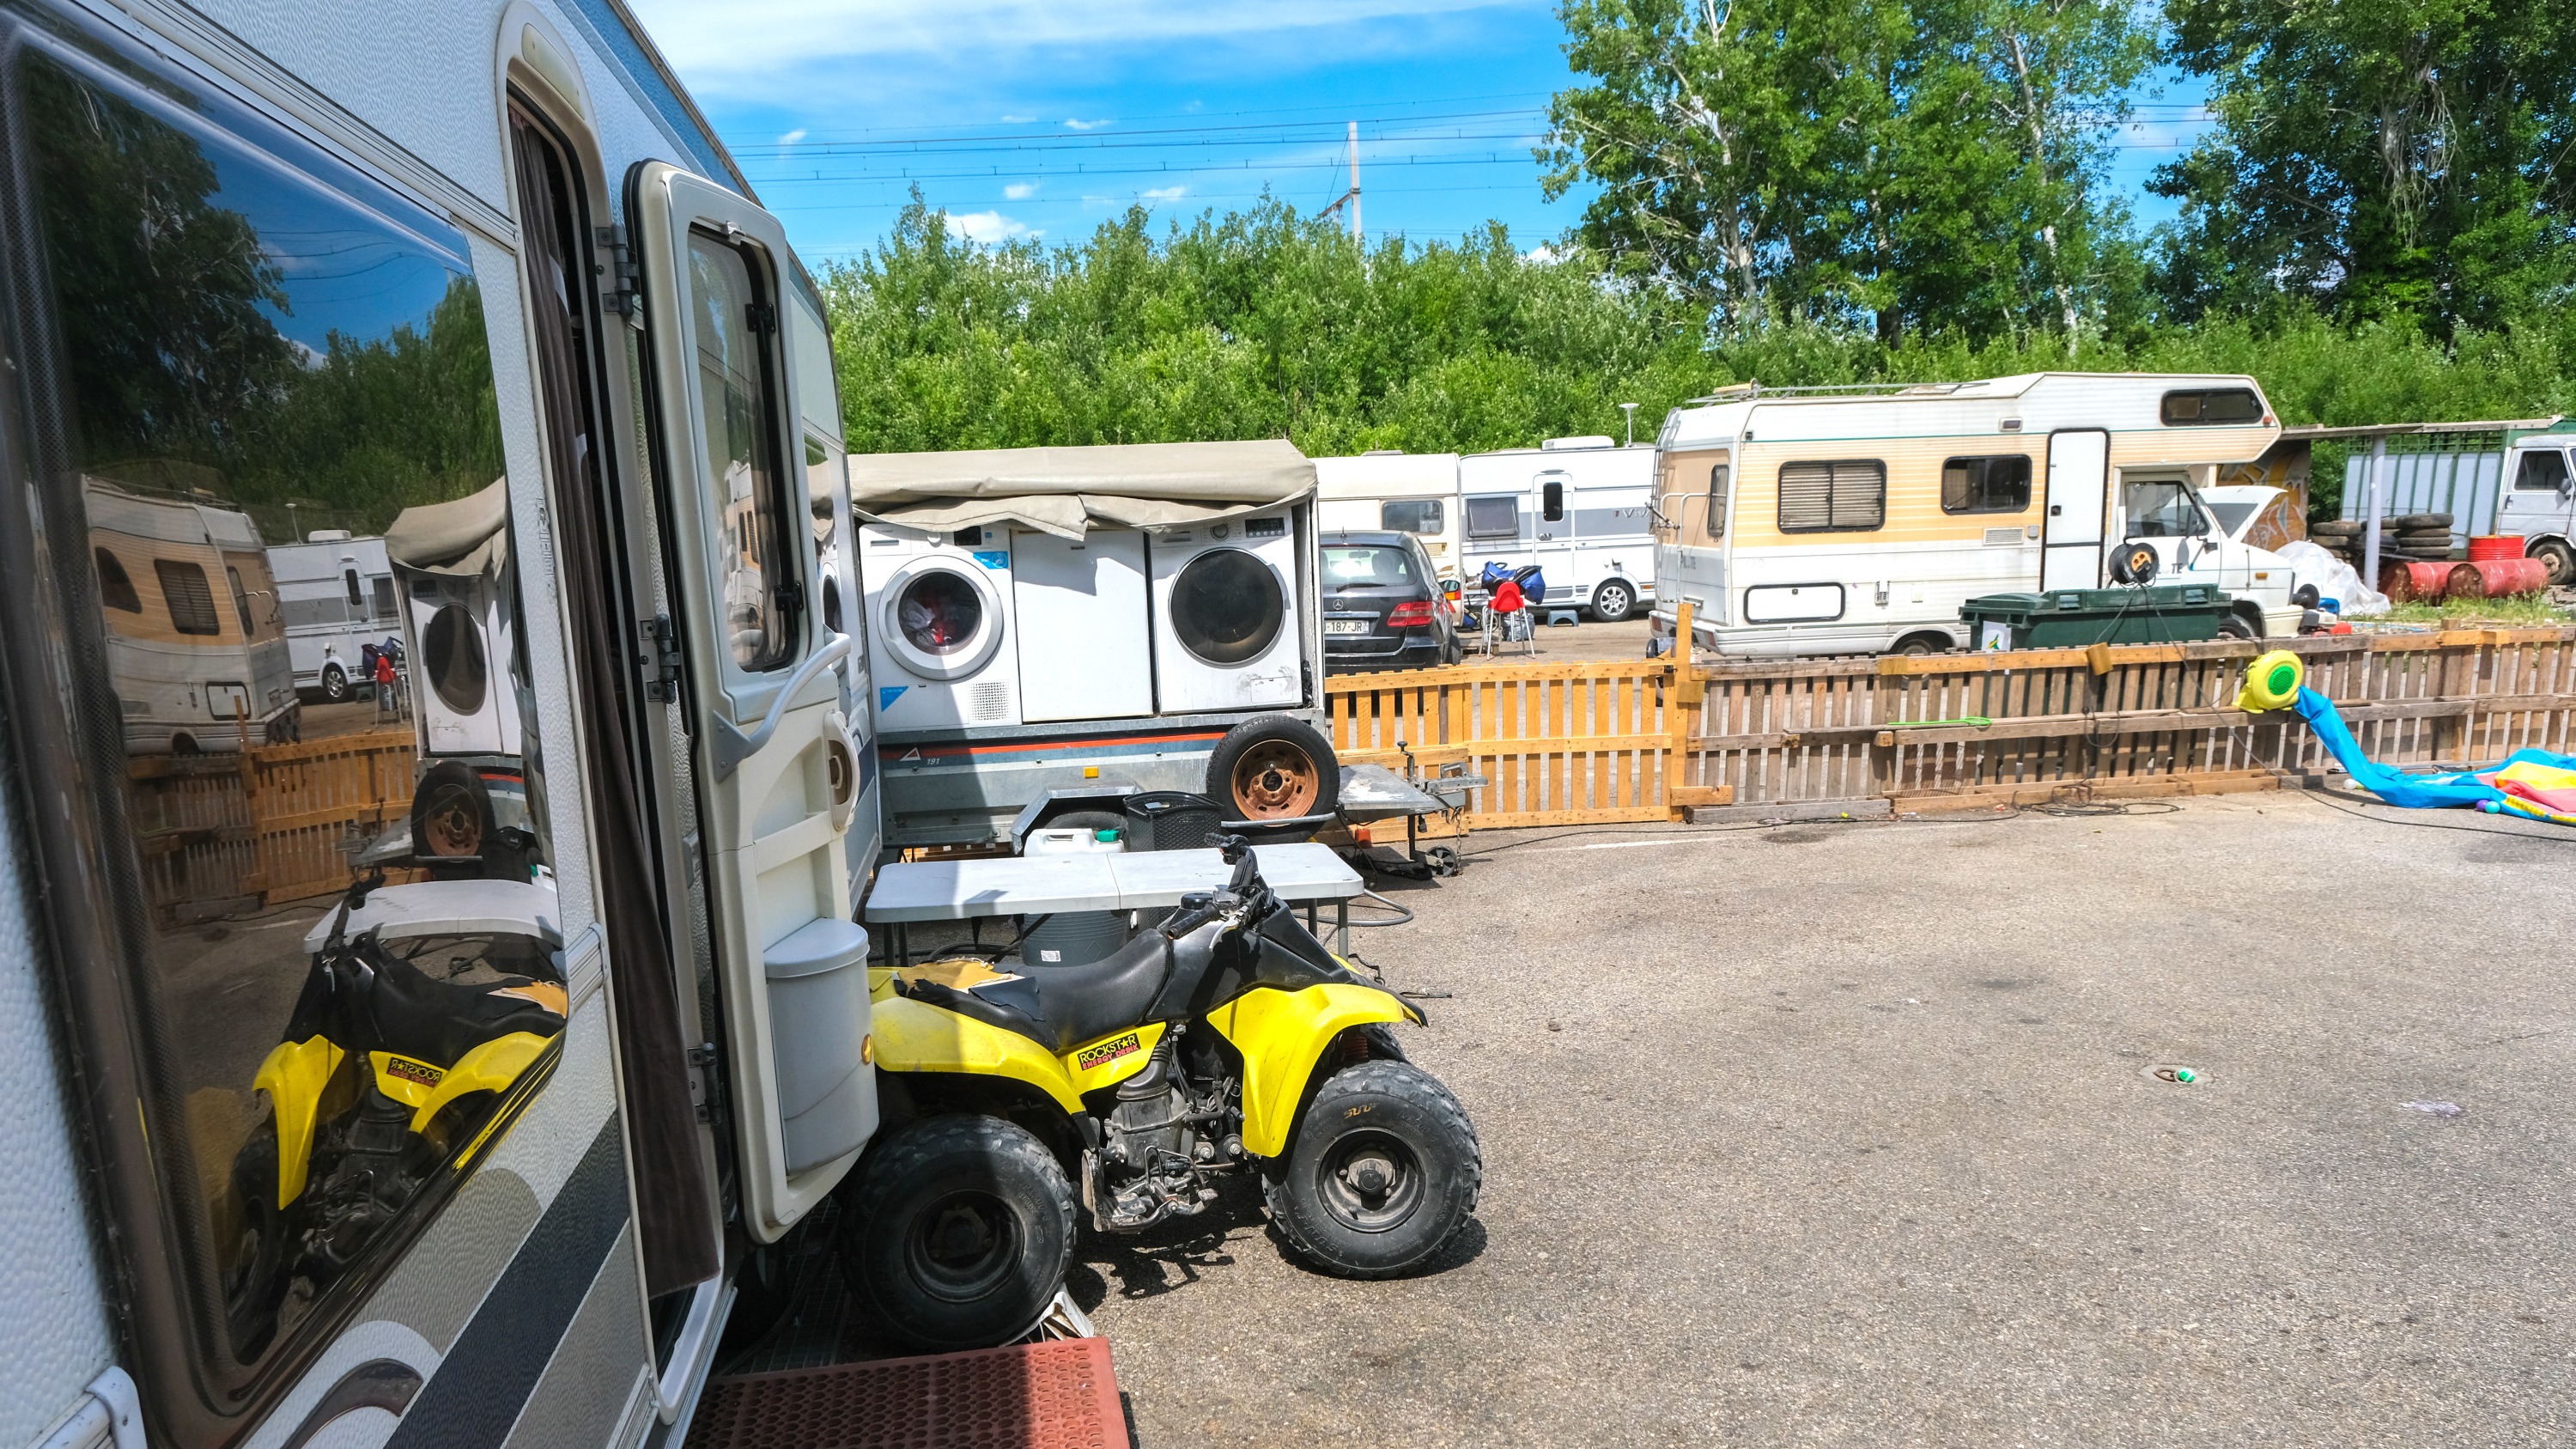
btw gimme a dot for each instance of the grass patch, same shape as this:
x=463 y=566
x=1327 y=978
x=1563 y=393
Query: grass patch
x=2522 y=611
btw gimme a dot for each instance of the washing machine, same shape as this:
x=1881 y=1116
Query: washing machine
x=1226 y=633
x=938 y=611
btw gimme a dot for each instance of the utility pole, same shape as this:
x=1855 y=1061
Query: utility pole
x=1358 y=237
x=1631 y=410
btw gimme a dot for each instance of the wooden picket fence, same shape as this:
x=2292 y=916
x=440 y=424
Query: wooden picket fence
x=273 y=823
x=1647 y=739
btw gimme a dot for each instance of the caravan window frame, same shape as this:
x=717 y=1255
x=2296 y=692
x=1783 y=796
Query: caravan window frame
x=1468 y=510
x=1874 y=470
x=1980 y=498
x=1717 y=500
x=2189 y=407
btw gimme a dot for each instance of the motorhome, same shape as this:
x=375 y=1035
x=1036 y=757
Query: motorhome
x=194 y=649
x=1122 y=618
x=1579 y=508
x=1415 y=493
x=1859 y=519
x=335 y=593
x=381 y=1165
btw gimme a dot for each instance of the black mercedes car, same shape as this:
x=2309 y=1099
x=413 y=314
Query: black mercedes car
x=1383 y=605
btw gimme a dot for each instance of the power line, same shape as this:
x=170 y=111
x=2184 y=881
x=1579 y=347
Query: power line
x=836 y=147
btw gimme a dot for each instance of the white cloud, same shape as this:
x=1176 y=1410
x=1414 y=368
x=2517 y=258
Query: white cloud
x=1074 y=125
x=986 y=227
x=742 y=46
x=1020 y=190
x=792 y=137
x=1541 y=255
x=1017 y=120
x=1164 y=193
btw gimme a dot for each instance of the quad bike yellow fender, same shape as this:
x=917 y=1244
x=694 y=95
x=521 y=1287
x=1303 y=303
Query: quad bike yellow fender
x=914 y=1036
x=293 y=1076
x=1282 y=1034
x=425 y=1088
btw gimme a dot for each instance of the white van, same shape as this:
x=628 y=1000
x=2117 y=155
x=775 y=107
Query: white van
x=336 y=594
x=1415 y=493
x=1579 y=508
x=1859 y=519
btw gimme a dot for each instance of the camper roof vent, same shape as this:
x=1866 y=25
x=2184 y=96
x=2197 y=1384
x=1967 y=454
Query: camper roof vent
x=327 y=535
x=1383 y=453
x=1587 y=440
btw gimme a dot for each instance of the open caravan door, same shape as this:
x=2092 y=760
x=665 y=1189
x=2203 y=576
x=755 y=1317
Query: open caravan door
x=777 y=775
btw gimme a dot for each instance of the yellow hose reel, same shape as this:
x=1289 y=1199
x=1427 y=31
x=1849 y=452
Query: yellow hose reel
x=2271 y=682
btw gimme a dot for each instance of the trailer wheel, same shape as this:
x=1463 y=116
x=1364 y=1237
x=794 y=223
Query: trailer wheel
x=2559 y=559
x=1274 y=768
x=335 y=685
x=1614 y=601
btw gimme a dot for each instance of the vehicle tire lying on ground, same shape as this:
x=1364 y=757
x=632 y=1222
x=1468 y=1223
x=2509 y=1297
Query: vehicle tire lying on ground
x=956 y=1233
x=1383 y=1172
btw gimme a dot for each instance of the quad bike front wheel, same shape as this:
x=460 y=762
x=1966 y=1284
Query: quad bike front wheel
x=255 y=1280
x=957 y=1233
x=1384 y=1171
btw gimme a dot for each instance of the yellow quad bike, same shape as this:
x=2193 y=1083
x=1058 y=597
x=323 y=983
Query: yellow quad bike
x=1224 y=1040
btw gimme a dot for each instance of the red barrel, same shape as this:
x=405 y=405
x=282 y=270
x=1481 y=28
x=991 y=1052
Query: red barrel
x=2402 y=580
x=2494 y=545
x=2498 y=578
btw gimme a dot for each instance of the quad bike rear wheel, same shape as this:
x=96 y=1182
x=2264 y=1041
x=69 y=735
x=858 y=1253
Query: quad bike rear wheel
x=1383 y=1172
x=957 y=1233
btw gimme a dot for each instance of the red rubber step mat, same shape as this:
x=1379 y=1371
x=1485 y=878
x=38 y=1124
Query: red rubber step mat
x=1060 y=1394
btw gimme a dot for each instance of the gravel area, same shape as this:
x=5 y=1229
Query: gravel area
x=1847 y=1134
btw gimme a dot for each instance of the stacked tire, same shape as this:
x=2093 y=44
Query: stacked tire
x=2424 y=535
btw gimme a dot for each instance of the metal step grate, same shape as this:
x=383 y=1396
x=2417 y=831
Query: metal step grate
x=1055 y=1395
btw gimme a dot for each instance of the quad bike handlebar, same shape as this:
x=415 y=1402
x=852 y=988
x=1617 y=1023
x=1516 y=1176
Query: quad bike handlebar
x=1244 y=899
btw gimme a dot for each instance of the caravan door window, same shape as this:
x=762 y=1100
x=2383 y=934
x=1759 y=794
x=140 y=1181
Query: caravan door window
x=736 y=330
x=1985 y=485
x=1717 y=501
x=300 y=1073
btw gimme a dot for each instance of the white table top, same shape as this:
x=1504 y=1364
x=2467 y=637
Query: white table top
x=955 y=890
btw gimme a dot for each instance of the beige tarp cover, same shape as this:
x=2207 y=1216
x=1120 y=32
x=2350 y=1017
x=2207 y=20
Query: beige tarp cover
x=1068 y=491
x=466 y=537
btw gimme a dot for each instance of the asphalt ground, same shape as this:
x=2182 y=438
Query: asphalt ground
x=1845 y=1134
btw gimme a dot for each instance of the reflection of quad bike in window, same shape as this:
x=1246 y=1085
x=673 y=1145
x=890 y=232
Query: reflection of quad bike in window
x=417 y=1024
x=1224 y=1041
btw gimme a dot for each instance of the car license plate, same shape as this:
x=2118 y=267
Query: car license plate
x=1346 y=626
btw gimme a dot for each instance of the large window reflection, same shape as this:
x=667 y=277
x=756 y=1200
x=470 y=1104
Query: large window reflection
x=354 y=972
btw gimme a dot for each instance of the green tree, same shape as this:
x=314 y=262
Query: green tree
x=1907 y=165
x=2376 y=157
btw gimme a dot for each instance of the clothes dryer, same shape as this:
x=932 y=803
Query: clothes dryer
x=938 y=609
x=1227 y=626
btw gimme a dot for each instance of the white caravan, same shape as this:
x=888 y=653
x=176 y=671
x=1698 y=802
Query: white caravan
x=1857 y=520
x=1415 y=493
x=1579 y=508
x=336 y=594
x=382 y=1165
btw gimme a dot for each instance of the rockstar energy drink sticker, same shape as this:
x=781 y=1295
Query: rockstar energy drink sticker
x=1108 y=1051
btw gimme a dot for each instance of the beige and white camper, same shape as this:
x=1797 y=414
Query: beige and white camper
x=1857 y=520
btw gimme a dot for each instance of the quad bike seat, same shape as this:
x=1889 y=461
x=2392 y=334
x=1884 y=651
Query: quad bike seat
x=1061 y=1007
x=414 y=1014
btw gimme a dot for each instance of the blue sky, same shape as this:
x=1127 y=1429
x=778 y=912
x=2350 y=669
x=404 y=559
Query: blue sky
x=1025 y=118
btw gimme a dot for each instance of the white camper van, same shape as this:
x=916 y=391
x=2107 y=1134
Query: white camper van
x=1579 y=508
x=382 y=1165
x=1858 y=520
x=1394 y=492
x=336 y=594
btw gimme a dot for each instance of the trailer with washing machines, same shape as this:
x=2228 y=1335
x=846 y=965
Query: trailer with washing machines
x=1048 y=622
x=495 y=1141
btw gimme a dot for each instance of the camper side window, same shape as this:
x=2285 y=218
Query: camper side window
x=304 y=1047
x=1493 y=517
x=1985 y=485
x=1411 y=515
x=2212 y=407
x=1717 y=501
x=1839 y=497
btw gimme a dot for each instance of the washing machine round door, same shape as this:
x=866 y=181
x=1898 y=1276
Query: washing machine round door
x=941 y=620
x=1228 y=606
